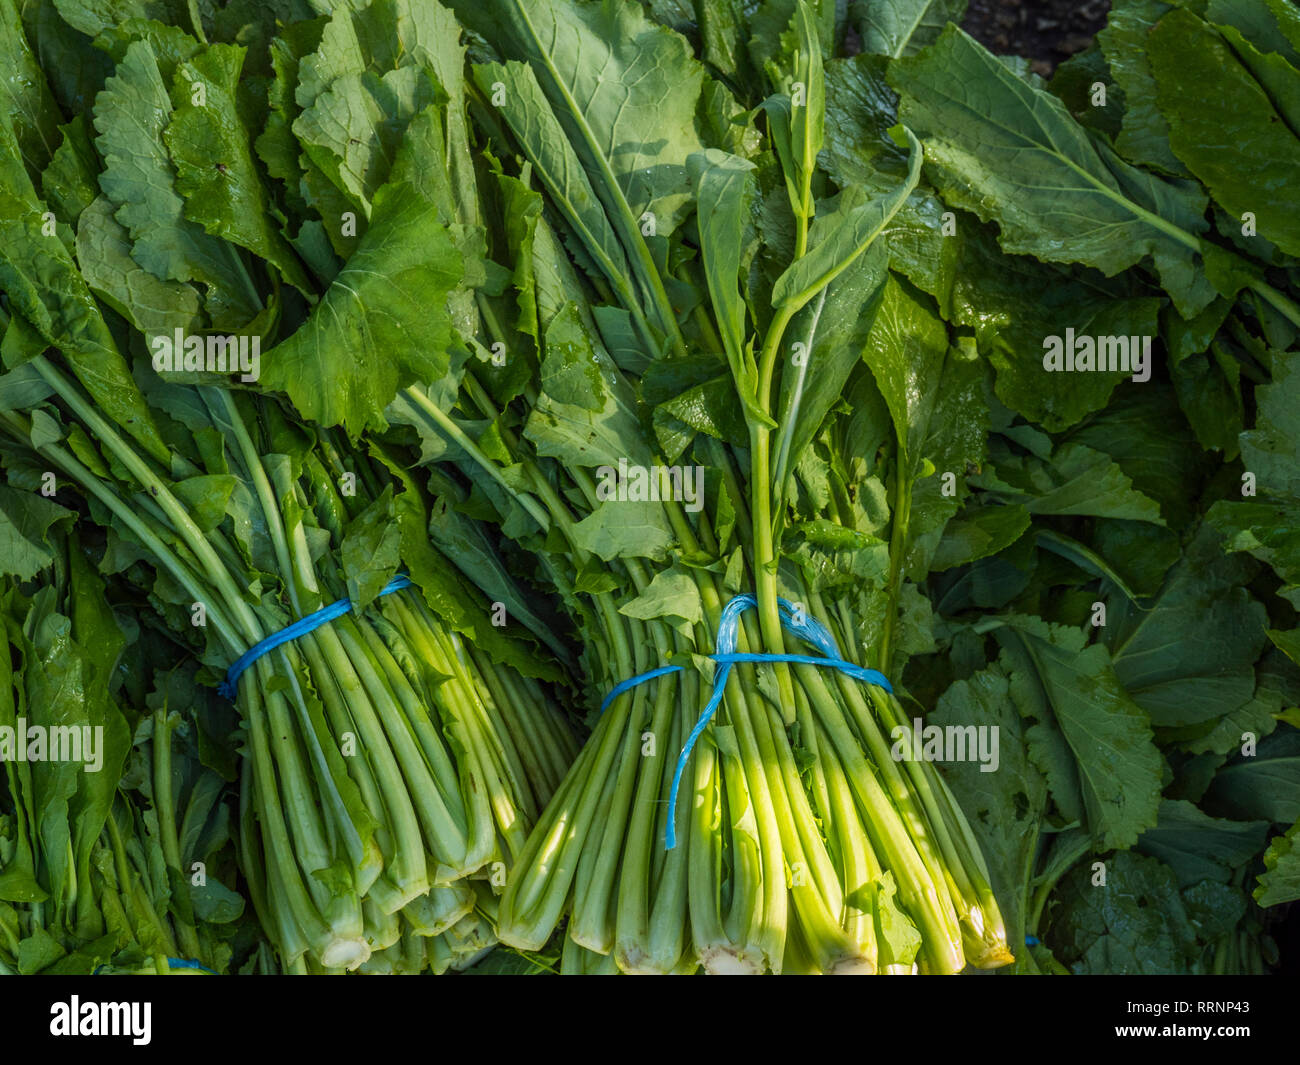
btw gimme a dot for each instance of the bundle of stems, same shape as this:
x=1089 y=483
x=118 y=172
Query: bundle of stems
x=388 y=757
x=802 y=844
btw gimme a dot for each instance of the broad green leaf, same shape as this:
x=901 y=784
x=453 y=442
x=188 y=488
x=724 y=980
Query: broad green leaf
x=1269 y=531
x=380 y=36
x=69 y=184
x=1085 y=558
x=625 y=528
x=860 y=111
x=710 y=407
x=1091 y=739
x=724 y=33
x=903 y=27
x=25 y=97
x=1144 y=133
x=1077 y=481
x=1208 y=386
x=624 y=92
x=206 y=498
x=1271 y=450
x=977 y=532
x=215 y=903
x=153 y=306
x=1189 y=657
x=1199 y=847
x=1277 y=76
x=1012 y=153
x=74 y=69
x=215 y=172
x=1270 y=25
x=1135 y=924
x=54 y=306
x=834 y=330
x=1257 y=718
x=623 y=89
x=131 y=115
x=1142 y=429
x=841 y=235
x=353 y=129
x=23 y=389
x=382 y=324
x=1016 y=305
x=724 y=185
x=1286 y=642
x=1265 y=786
x=559 y=167
x=768 y=26
x=935 y=398
x=25 y=522
x=672 y=593
x=276 y=145
x=585 y=415
x=907 y=353
x=833 y=557
x=38 y=951
x=1185 y=55
x=93 y=16
x=370 y=552
x=1280 y=882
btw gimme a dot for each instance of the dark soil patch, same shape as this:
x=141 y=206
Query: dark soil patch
x=1045 y=31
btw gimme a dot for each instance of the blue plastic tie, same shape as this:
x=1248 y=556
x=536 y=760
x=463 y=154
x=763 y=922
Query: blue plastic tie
x=301 y=627
x=1031 y=941
x=796 y=621
x=172 y=963
x=185 y=963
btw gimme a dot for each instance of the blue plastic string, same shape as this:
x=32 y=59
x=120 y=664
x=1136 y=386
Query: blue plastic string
x=796 y=621
x=185 y=963
x=301 y=627
x=172 y=963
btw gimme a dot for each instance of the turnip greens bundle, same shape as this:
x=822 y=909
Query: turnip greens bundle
x=804 y=842
x=393 y=753
x=389 y=759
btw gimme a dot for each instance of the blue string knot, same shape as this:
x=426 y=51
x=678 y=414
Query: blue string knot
x=795 y=620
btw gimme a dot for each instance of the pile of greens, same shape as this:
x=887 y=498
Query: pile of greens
x=504 y=262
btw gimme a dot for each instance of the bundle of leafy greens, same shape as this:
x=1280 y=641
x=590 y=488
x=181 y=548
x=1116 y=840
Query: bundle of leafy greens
x=389 y=759
x=804 y=844
x=1019 y=507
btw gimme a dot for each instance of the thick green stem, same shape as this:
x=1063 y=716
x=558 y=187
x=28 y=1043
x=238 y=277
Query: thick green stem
x=898 y=537
x=165 y=808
